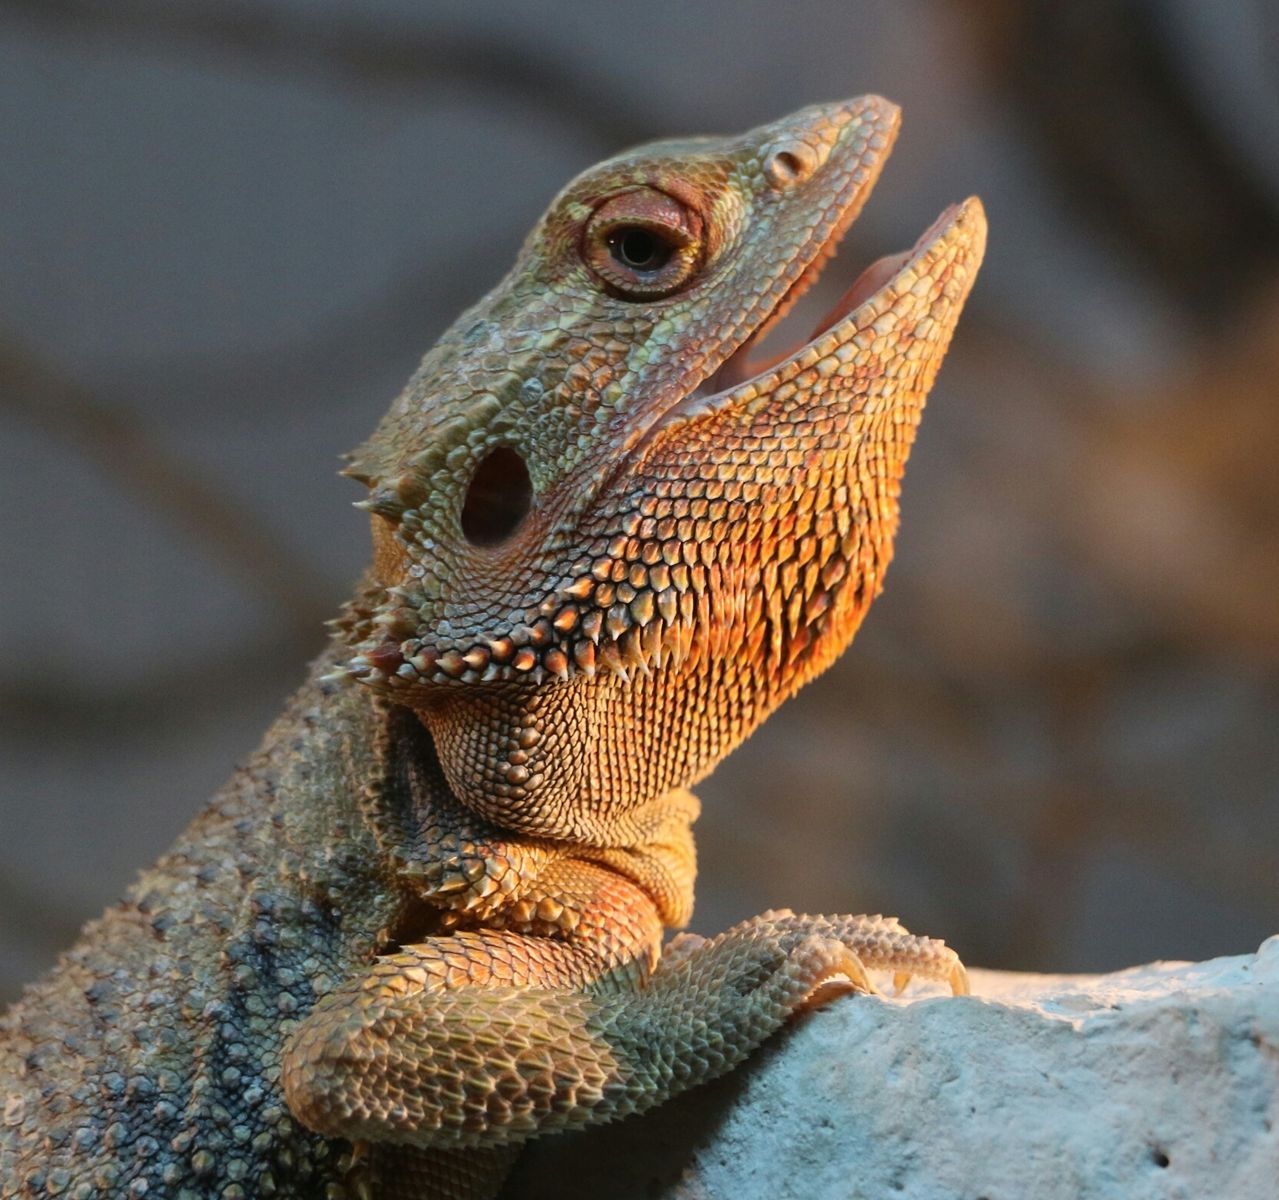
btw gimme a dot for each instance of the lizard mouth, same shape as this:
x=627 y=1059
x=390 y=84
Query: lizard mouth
x=851 y=312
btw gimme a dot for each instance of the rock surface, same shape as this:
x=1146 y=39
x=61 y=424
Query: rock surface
x=1158 y=1081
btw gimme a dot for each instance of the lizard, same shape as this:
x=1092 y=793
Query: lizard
x=424 y=923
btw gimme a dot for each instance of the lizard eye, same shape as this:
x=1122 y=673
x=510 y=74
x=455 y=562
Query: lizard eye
x=643 y=244
x=639 y=249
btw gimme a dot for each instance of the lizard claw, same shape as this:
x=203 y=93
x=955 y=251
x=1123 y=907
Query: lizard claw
x=841 y=973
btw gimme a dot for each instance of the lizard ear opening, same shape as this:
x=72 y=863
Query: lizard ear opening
x=497 y=499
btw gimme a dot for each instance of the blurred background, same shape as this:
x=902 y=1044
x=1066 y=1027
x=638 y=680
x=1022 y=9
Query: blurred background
x=229 y=230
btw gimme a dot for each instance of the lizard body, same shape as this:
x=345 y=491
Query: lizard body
x=424 y=923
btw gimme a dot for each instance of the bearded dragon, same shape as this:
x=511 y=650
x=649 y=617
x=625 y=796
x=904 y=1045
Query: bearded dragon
x=423 y=924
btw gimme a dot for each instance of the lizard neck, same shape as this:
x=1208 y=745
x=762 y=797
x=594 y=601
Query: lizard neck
x=415 y=797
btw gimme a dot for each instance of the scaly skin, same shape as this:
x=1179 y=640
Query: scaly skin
x=424 y=923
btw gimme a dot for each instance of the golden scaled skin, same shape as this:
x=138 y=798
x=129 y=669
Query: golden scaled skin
x=423 y=923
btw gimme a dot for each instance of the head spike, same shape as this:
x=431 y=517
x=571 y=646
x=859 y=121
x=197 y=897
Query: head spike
x=360 y=474
x=385 y=502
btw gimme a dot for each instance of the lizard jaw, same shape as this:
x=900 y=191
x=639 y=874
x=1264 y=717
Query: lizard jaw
x=959 y=232
x=860 y=298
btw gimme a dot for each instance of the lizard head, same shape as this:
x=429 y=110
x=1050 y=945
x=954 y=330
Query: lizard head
x=606 y=543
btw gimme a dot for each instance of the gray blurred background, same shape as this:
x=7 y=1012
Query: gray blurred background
x=229 y=230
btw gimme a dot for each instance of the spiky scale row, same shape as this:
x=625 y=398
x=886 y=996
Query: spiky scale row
x=622 y=613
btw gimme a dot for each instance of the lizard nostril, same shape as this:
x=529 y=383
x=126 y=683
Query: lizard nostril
x=789 y=165
x=497 y=499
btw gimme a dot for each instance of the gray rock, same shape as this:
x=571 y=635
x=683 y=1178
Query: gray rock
x=1158 y=1081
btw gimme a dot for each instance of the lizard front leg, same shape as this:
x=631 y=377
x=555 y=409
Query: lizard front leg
x=436 y=1059
x=485 y=1039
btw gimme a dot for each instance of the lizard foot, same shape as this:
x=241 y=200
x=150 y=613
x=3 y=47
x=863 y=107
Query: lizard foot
x=821 y=957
